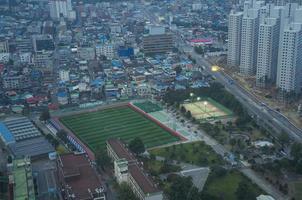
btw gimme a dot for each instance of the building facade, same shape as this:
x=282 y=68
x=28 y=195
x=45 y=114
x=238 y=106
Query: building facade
x=267 y=52
x=234 y=38
x=158 y=43
x=289 y=77
x=127 y=169
x=249 y=41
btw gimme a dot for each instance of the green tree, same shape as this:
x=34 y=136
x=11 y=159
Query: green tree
x=296 y=151
x=45 y=115
x=182 y=188
x=102 y=159
x=125 y=193
x=188 y=114
x=244 y=191
x=137 y=146
x=284 y=138
x=62 y=134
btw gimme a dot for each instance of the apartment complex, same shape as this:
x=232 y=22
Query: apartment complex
x=128 y=170
x=265 y=42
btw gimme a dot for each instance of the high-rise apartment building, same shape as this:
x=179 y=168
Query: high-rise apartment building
x=249 y=41
x=268 y=44
x=289 y=78
x=234 y=38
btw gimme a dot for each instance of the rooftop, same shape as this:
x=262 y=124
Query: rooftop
x=5 y=134
x=32 y=147
x=23 y=180
x=146 y=183
x=79 y=175
x=120 y=149
x=21 y=128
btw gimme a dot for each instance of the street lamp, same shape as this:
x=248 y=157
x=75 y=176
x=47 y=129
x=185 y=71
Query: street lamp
x=191 y=95
x=198 y=98
x=205 y=105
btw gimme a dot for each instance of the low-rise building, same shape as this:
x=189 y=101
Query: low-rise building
x=22 y=180
x=78 y=179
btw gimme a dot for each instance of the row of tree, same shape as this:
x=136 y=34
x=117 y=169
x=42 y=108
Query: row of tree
x=217 y=92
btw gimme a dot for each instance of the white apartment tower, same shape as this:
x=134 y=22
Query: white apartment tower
x=60 y=7
x=289 y=75
x=268 y=44
x=234 y=38
x=249 y=41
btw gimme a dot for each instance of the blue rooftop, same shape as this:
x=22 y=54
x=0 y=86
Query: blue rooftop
x=6 y=134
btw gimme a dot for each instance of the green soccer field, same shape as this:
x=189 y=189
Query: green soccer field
x=95 y=128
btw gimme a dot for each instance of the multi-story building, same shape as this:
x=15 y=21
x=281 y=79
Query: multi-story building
x=86 y=53
x=14 y=82
x=60 y=8
x=234 y=38
x=4 y=46
x=157 y=41
x=268 y=45
x=64 y=75
x=127 y=169
x=23 y=45
x=106 y=50
x=289 y=75
x=249 y=41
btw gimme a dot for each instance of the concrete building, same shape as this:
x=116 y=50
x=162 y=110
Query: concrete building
x=4 y=46
x=60 y=8
x=127 y=169
x=268 y=45
x=157 y=41
x=64 y=75
x=14 y=82
x=161 y=43
x=289 y=72
x=106 y=50
x=249 y=41
x=234 y=38
x=86 y=53
x=78 y=179
x=22 y=180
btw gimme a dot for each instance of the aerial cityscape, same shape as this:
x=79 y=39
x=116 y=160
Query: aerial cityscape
x=150 y=100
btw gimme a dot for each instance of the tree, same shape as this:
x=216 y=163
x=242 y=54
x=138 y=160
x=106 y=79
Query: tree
x=102 y=159
x=218 y=171
x=52 y=140
x=62 y=135
x=137 y=146
x=182 y=109
x=45 y=115
x=244 y=191
x=296 y=151
x=182 y=188
x=188 y=114
x=125 y=193
x=284 y=138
